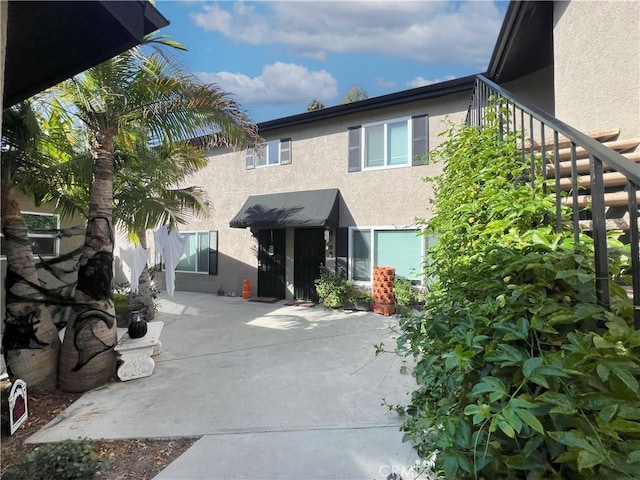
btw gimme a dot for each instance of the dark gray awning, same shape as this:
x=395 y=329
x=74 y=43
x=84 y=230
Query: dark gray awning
x=50 y=41
x=311 y=208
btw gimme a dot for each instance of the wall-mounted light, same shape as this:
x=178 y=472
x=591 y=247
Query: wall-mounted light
x=271 y=250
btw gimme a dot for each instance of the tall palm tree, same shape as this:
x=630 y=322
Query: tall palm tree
x=147 y=192
x=30 y=339
x=115 y=100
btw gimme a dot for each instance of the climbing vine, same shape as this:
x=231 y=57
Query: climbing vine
x=520 y=373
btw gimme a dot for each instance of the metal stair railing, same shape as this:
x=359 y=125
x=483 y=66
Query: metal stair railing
x=539 y=142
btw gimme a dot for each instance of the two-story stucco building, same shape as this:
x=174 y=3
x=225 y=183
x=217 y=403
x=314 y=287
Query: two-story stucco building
x=343 y=186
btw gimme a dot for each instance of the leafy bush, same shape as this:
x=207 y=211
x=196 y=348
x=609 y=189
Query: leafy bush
x=68 y=460
x=520 y=373
x=121 y=303
x=403 y=291
x=332 y=287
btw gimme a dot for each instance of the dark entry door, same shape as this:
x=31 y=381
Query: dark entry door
x=309 y=254
x=271 y=256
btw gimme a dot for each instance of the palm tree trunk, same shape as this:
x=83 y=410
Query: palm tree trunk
x=88 y=359
x=30 y=338
x=145 y=286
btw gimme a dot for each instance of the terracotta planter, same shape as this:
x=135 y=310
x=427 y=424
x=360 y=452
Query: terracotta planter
x=384 y=300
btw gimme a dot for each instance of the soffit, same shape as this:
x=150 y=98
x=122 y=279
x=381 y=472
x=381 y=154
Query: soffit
x=50 y=41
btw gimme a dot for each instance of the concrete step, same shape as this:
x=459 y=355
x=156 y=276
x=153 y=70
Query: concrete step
x=617 y=145
x=611 y=179
x=611 y=223
x=616 y=199
x=583 y=165
x=563 y=142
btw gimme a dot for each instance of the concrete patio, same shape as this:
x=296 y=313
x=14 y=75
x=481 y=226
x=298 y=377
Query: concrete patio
x=274 y=391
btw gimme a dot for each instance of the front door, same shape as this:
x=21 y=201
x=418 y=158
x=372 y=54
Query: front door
x=271 y=256
x=308 y=255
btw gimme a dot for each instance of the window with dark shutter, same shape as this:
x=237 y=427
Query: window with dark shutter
x=420 y=139
x=213 y=252
x=285 y=151
x=354 y=159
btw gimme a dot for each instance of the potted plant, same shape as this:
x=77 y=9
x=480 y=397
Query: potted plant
x=357 y=299
x=332 y=287
x=403 y=290
x=121 y=303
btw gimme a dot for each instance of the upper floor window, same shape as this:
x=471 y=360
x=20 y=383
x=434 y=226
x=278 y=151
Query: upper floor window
x=274 y=152
x=386 y=144
x=394 y=143
x=42 y=233
x=269 y=154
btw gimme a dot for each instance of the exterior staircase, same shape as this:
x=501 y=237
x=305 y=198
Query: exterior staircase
x=615 y=197
x=595 y=175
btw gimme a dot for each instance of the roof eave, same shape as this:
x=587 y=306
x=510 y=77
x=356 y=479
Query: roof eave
x=48 y=42
x=525 y=41
x=458 y=85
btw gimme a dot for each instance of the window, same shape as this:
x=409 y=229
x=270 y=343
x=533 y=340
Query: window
x=395 y=143
x=43 y=233
x=372 y=247
x=201 y=253
x=269 y=154
x=274 y=152
x=361 y=255
x=386 y=145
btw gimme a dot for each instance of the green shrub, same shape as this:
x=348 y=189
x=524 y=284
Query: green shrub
x=403 y=291
x=68 y=460
x=121 y=302
x=520 y=373
x=332 y=287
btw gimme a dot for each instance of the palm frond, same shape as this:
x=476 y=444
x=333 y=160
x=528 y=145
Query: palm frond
x=157 y=119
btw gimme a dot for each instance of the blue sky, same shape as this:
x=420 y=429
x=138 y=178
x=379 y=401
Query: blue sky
x=276 y=57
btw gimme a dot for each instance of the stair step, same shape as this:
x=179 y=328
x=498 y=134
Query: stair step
x=583 y=165
x=564 y=142
x=629 y=290
x=611 y=223
x=617 y=145
x=611 y=179
x=616 y=199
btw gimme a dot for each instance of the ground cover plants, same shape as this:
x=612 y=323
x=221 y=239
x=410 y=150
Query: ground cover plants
x=520 y=373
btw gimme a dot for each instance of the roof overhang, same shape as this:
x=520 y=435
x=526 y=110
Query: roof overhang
x=436 y=90
x=50 y=41
x=310 y=208
x=525 y=42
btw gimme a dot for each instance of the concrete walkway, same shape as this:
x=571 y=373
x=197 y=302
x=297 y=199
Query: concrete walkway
x=275 y=391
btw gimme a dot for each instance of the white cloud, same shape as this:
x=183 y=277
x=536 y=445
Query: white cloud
x=421 y=82
x=431 y=32
x=279 y=83
x=385 y=83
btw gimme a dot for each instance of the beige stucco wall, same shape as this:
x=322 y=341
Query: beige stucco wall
x=535 y=88
x=597 y=64
x=390 y=197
